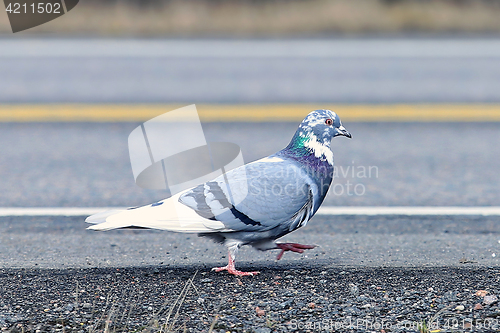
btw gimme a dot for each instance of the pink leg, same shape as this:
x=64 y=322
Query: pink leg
x=232 y=270
x=294 y=247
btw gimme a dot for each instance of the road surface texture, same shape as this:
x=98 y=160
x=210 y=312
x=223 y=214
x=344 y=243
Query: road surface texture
x=417 y=241
x=366 y=271
x=394 y=164
x=252 y=71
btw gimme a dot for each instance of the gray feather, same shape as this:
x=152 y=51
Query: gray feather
x=279 y=194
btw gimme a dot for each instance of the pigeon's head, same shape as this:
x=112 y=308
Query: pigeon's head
x=314 y=135
x=324 y=125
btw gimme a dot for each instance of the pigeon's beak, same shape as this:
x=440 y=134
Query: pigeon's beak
x=342 y=131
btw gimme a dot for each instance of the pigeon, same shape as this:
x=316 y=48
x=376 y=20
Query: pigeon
x=254 y=204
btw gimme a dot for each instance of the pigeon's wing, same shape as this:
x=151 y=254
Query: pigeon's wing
x=303 y=215
x=256 y=197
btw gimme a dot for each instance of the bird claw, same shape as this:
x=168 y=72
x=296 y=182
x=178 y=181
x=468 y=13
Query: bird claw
x=233 y=271
x=294 y=247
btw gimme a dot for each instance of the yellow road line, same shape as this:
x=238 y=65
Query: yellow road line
x=249 y=113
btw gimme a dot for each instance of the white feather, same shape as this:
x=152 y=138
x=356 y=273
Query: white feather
x=171 y=215
x=273 y=159
x=320 y=150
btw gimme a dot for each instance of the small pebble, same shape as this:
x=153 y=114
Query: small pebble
x=481 y=293
x=260 y=312
x=353 y=289
x=460 y=308
x=478 y=306
x=490 y=299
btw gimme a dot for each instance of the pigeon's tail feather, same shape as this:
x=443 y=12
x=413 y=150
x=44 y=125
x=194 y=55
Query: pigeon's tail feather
x=171 y=225
x=102 y=216
x=168 y=215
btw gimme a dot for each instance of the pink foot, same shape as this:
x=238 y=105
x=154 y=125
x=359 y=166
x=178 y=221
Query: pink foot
x=232 y=270
x=294 y=247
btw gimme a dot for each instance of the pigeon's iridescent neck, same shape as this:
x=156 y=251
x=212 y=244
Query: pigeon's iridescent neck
x=304 y=144
x=316 y=159
x=298 y=143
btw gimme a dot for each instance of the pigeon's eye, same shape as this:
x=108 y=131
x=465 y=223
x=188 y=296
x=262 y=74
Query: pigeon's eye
x=329 y=122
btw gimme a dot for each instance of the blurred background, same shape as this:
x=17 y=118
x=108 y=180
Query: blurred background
x=415 y=81
x=278 y=18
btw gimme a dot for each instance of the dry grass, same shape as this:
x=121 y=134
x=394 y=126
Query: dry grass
x=279 y=18
x=112 y=316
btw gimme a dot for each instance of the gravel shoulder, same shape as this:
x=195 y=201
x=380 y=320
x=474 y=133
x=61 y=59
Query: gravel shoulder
x=281 y=299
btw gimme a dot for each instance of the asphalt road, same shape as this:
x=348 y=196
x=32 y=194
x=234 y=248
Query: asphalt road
x=87 y=164
x=253 y=71
x=400 y=271
x=419 y=164
x=398 y=241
